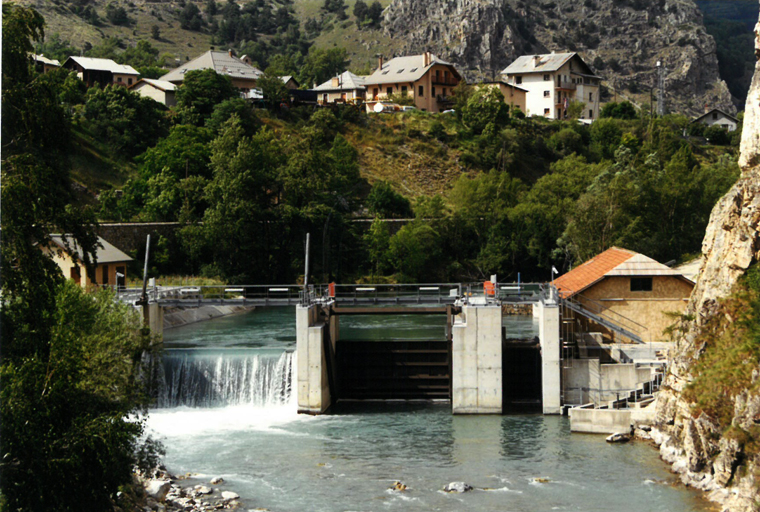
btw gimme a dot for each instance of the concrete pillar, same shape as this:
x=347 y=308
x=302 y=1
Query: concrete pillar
x=313 y=383
x=548 y=334
x=153 y=318
x=476 y=367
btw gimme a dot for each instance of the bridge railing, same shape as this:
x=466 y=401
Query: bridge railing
x=424 y=293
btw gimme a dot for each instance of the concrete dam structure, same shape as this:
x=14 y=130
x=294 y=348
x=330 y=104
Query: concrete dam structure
x=470 y=367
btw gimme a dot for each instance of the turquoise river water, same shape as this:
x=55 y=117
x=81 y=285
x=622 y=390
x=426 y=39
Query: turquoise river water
x=226 y=410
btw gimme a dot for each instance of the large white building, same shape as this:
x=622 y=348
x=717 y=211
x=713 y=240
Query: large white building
x=553 y=81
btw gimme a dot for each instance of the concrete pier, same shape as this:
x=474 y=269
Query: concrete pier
x=476 y=378
x=313 y=378
x=548 y=335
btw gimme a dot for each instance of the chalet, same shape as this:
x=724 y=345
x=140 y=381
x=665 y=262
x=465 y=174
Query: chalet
x=514 y=95
x=240 y=71
x=110 y=266
x=346 y=87
x=101 y=71
x=718 y=117
x=628 y=286
x=553 y=81
x=426 y=79
x=159 y=90
x=44 y=65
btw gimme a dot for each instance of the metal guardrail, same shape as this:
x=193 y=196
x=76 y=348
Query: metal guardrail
x=602 y=315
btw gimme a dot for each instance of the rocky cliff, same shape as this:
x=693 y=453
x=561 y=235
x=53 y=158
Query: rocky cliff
x=697 y=444
x=622 y=39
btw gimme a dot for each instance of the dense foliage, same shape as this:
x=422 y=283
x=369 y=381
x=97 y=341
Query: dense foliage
x=69 y=360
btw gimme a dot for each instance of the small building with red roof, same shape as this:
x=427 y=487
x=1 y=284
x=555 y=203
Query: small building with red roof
x=628 y=288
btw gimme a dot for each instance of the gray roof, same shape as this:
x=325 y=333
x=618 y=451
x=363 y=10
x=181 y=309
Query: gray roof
x=347 y=82
x=161 y=85
x=502 y=82
x=405 y=69
x=640 y=265
x=45 y=60
x=732 y=118
x=547 y=63
x=285 y=79
x=221 y=62
x=106 y=253
x=103 y=65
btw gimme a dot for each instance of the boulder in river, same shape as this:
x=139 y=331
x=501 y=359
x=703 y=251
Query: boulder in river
x=157 y=489
x=229 y=495
x=457 y=487
x=217 y=480
x=398 y=486
x=203 y=489
x=619 y=437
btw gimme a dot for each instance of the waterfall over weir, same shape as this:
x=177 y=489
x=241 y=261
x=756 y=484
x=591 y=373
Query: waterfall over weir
x=215 y=379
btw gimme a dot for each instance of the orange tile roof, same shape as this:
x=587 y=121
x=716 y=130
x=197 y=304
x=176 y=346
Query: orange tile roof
x=591 y=271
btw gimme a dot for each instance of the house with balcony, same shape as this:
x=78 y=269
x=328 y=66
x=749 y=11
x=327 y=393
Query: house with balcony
x=553 y=81
x=427 y=80
x=101 y=71
x=344 y=88
x=514 y=95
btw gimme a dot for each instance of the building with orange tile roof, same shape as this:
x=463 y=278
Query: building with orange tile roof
x=624 y=285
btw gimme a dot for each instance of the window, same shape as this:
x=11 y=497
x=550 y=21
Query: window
x=421 y=91
x=375 y=92
x=591 y=114
x=389 y=91
x=91 y=275
x=546 y=94
x=105 y=274
x=129 y=81
x=118 y=79
x=591 y=96
x=76 y=275
x=546 y=112
x=444 y=91
x=641 y=284
x=518 y=79
x=547 y=78
x=434 y=91
x=715 y=115
x=445 y=76
x=403 y=89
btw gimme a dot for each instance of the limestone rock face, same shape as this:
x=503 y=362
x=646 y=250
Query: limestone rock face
x=732 y=243
x=621 y=41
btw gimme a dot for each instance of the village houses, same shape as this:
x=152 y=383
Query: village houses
x=110 y=268
x=344 y=88
x=159 y=90
x=716 y=117
x=240 y=70
x=553 y=81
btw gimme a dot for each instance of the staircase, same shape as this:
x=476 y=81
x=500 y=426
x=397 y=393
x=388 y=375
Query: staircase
x=596 y=311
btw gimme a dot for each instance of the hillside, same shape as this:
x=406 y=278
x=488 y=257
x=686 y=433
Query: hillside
x=481 y=37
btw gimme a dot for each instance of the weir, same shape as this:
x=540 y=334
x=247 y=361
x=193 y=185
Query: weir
x=467 y=367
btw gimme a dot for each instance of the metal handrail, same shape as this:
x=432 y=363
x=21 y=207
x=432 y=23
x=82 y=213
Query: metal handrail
x=603 y=312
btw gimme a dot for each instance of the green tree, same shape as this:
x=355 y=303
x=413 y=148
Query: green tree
x=386 y=203
x=141 y=55
x=414 y=250
x=377 y=241
x=622 y=110
x=485 y=106
x=155 y=32
x=234 y=106
x=201 y=91
x=274 y=91
x=605 y=137
x=321 y=64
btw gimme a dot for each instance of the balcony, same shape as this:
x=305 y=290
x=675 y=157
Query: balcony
x=565 y=86
x=448 y=100
x=439 y=80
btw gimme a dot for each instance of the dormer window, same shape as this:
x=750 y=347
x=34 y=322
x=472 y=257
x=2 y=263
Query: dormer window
x=385 y=72
x=400 y=70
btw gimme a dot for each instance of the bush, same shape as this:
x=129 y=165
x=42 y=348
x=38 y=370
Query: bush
x=717 y=136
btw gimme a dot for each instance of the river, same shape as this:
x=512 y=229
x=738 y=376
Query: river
x=227 y=410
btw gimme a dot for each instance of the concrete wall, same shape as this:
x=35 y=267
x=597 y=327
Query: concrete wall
x=600 y=421
x=477 y=361
x=548 y=334
x=582 y=380
x=313 y=381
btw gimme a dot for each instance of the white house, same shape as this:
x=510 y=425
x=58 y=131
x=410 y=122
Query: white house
x=553 y=81
x=342 y=88
x=718 y=117
x=159 y=90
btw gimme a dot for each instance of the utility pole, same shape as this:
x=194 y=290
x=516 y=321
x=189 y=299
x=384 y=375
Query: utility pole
x=306 y=271
x=661 y=69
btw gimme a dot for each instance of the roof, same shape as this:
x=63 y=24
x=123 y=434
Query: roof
x=502 y=82
x=690 y=269
x=287 y=78
x=547 y=63
x=405 y=69
x=45 y=60
x=221 y=62
x=347 y=80
x=161 y=85
x=105 y=253
x=614 y=262
x=732 y=118
x=102 y=65
x=591 y=271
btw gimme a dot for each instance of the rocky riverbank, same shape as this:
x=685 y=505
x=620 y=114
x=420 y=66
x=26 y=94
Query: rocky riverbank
x=164 y=492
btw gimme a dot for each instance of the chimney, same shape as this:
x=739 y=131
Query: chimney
x=230 y=52
x=426 y=59
x=336 y=82
x=379 y=62
x=536 y=60
x=707 y=108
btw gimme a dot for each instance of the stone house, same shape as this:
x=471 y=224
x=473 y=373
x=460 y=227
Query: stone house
x=553 y=81
x=159 y=90
x=101 y=71
x=241 y=72
x=623 y=285
x=110 y=268
x=426 y=79
x=715 y=116
x=344 y=88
